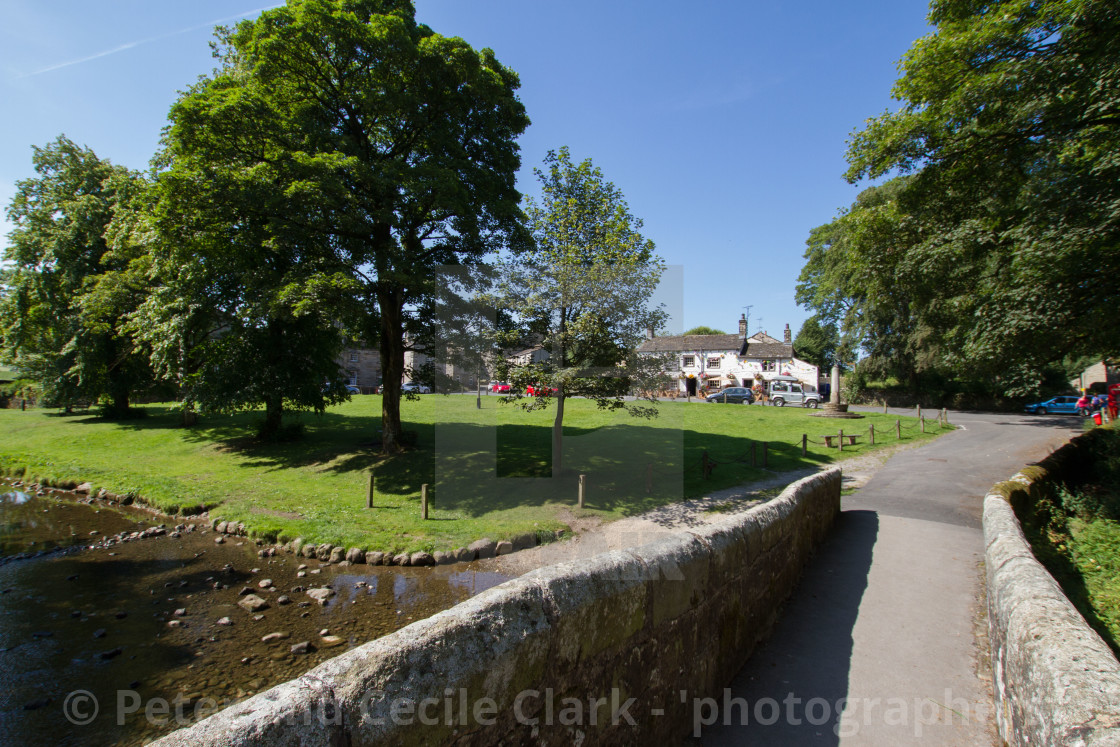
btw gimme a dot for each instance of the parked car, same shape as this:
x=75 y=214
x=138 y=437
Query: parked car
x=787 y=390
x=500 y=387
x=412 y=386
x=353 y=389
x=536 y=390
x=1066 y=405
x=738 y=395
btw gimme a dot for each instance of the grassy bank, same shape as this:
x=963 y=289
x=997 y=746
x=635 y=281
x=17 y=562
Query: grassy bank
x=490 y=467
x=1075 y=533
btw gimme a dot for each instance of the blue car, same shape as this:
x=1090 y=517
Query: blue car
x=1064 y=405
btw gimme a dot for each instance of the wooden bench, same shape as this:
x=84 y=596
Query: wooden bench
x=849 y=440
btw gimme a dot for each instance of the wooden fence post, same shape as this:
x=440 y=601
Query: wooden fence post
x=841 y=439
x=922 y=421
x=872 y=434
x=898 y=429
x=583 y=488
x=919 y=411
x=804 y=444
x=424 y=501
x=369 y=491
x=884 y=407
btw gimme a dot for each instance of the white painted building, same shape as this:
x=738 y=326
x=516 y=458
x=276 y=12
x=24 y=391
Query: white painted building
x=714 y=362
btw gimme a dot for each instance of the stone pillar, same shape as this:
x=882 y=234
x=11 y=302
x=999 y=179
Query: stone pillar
x=834 y=395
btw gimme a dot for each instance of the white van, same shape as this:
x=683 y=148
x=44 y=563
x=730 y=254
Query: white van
x=788 y=390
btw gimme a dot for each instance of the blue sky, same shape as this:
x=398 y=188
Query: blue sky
x=724 y=123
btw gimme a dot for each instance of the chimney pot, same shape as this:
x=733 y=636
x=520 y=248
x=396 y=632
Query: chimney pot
x=788 y=338
x=743 y=325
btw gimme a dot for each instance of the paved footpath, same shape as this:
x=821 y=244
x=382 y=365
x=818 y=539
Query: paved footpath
x=883 y=643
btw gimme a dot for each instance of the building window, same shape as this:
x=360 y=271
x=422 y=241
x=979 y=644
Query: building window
x=714 y=384
x=353 y=377
x=713 y=362
x=688 y=361
x=353 y=357
x=769 y=365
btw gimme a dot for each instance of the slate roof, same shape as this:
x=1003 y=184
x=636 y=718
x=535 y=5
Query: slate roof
x=677 y=343
x=768 y=350
x=760 y=345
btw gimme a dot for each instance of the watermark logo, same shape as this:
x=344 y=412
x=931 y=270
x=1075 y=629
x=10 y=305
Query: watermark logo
x=80 y=707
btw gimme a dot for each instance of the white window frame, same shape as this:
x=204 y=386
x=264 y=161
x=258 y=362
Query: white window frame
x=714 y=362
x=688 y=361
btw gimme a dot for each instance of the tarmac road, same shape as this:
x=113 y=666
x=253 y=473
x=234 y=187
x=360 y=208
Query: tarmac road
x=884 y=641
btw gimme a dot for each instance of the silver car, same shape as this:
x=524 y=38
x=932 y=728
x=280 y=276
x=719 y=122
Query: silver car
x=793 y=393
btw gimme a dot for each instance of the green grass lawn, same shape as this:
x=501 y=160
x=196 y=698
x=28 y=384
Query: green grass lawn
x=490 y=468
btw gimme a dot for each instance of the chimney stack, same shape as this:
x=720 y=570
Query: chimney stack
x=788 y=339
x=649 y=333
x=742 y=325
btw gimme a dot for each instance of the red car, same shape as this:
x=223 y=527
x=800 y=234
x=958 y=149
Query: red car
x=502 y=387
x=535 y=390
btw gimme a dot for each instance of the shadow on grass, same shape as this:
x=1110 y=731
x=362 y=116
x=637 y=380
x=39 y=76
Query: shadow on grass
x=629 y=468
x=477 y=469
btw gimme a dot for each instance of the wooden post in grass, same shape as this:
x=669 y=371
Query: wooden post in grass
x=725 y=398
x=583 y=488
x=898 y=429
x=765 y=454
x=884 y=407
x=424 y=501
x=649 y=478
x=804 y=444
x=922 y=422
x=369 y=491
x=841 y=439
x=919 y=412
x=872 y=431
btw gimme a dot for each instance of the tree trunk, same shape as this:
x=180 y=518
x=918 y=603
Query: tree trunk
x=118 y=397
x=558 y=435
x=273 y=415
x=391 y=346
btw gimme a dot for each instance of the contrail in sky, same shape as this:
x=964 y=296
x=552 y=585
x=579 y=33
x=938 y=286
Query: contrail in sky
x=130 y=45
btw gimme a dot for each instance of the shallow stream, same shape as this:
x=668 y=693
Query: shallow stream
x=120 y=644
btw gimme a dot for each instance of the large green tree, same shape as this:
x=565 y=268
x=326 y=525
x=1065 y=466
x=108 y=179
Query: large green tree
x=816 y=343
x=859 y=283
x=582 y=293
x=1010 y=123
x=363 y=146
x=74 y=279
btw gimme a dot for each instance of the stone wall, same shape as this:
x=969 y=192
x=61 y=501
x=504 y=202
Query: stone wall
x=1056 y=681
x=597 y=650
